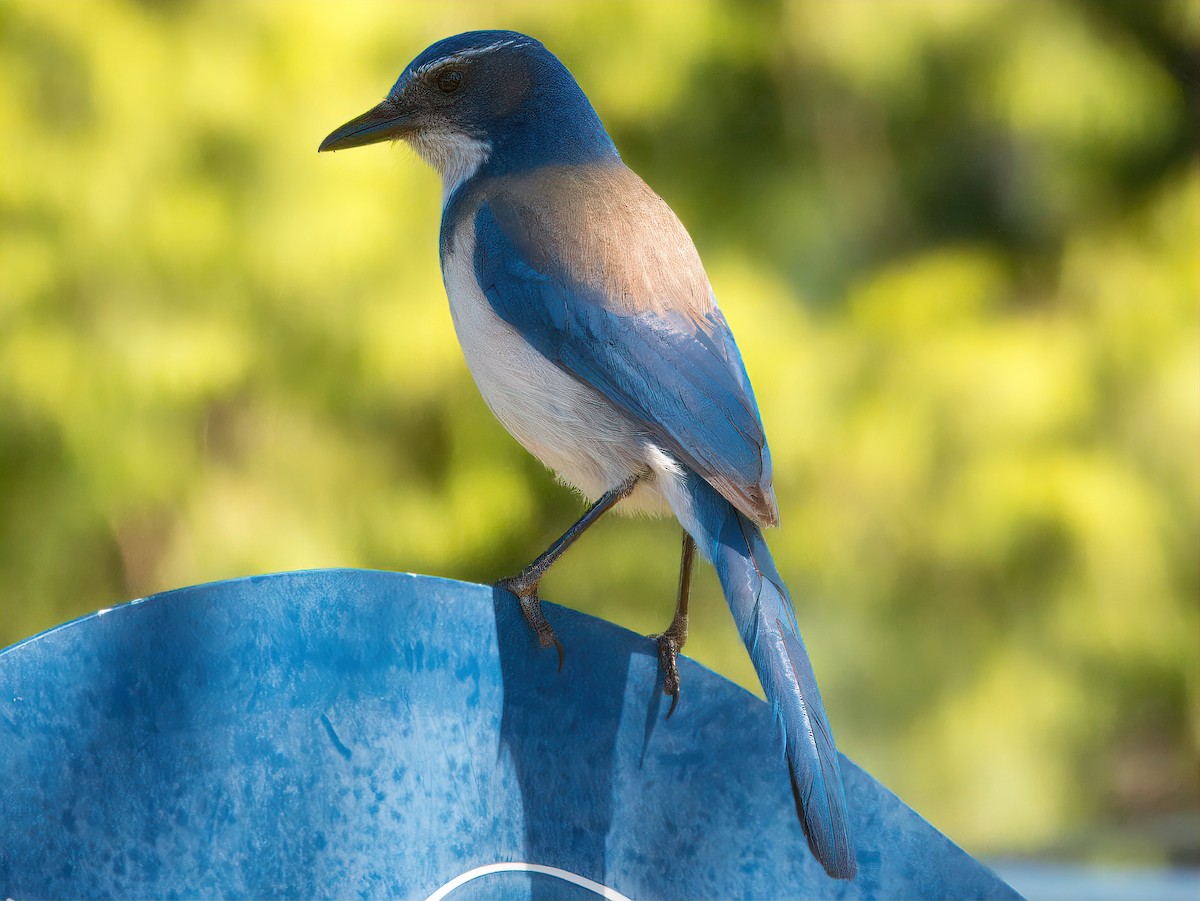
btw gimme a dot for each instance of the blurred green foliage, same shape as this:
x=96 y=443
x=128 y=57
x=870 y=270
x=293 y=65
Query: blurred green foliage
x=958 y=243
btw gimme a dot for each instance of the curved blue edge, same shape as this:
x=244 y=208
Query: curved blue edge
x=350 y=733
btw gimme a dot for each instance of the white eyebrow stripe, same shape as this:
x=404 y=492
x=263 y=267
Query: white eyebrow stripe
x=464 y=55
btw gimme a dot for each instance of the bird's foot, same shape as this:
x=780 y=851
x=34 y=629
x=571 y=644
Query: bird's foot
x=669 y=645
x=525 y=588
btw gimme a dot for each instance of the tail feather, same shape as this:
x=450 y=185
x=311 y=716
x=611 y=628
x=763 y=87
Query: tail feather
x=766 y=619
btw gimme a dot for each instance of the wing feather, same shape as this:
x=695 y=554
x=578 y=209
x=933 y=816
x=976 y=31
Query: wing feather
x=588 y=274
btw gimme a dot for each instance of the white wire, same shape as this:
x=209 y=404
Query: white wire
x=609 y=894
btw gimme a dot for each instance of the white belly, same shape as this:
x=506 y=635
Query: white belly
x=572 y=428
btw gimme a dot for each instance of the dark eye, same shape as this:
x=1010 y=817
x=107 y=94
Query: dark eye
x=449 y=80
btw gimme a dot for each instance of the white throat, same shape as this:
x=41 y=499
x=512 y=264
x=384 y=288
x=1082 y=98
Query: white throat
x=455 y=156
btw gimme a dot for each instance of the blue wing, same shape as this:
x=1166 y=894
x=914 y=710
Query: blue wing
x=677 y=372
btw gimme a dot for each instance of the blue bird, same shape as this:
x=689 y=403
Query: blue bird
x=591 y=330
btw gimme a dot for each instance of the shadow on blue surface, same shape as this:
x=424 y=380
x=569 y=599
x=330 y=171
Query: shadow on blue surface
x=349 y=733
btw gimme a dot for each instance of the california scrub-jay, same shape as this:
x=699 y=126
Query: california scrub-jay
x=591 y=329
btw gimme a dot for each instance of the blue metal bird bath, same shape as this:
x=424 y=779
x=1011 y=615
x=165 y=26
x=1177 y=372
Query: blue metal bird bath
x=343 y=733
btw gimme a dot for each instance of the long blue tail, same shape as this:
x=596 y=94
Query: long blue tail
x=764 y=615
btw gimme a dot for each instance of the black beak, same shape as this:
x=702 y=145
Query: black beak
x=385 y=122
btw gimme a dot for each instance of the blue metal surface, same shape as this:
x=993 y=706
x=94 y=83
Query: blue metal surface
x=344 y=733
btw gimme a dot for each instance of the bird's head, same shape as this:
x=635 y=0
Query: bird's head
x=485 y=98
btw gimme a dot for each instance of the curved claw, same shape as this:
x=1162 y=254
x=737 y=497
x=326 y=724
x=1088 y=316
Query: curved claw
x=674 y=702
x=545 y=635
x=668 y=649
x=531 y=609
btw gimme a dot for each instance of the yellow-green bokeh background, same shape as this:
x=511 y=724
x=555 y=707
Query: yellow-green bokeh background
x=957 y=242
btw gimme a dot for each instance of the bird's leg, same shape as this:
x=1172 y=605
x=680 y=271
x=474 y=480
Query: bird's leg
x=525 y=584
x=671 y=642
